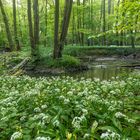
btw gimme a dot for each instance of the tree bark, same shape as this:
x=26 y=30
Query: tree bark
x=15 y=25
x=78 y=23
x=122 y=34
x=36 y=23
x=46 y=23
x=65 y=25
x=117 y=18
x=34 y=34
x=104 y=23
x=30 y=26
x=55 y=51
x=6 y=22
x=109 y=6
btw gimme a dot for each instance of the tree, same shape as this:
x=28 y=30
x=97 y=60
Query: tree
x=6 y=22
x=30 y=27
x=46 y=22
x=15 y=25
x=65 y=25
x=56 y=28
x=36 y=23
x=117 y=19
x=104 y=23
x=128 y=19
x=34 y=34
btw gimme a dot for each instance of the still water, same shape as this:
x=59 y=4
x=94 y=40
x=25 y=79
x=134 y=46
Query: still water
x=102 y=68
x=105 y=69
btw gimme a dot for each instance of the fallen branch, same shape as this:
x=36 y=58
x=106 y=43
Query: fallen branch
x=19 y=67
x=131 y=66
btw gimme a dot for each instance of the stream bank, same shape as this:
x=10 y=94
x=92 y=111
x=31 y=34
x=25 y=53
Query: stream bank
x=103 y=68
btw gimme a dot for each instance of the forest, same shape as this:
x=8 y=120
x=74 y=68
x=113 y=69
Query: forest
x=69 y=69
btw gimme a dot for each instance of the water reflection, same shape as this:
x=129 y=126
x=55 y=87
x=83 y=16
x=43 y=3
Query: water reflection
x=104 y=71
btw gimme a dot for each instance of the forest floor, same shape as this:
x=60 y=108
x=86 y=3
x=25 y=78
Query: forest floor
x=74 y=58
x=76 y=108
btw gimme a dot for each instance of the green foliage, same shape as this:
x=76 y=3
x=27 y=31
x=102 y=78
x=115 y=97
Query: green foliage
x=67 y=108
x=65 y=62
x=100 y=50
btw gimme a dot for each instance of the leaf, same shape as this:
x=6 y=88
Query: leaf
x=94 y=126
x=117 y=124
x=107 y=128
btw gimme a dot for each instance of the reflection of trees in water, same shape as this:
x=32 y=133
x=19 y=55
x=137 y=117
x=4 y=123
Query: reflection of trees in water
x=103 y=73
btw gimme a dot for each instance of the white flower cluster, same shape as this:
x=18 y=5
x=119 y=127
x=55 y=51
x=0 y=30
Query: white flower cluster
x=77 y=121
x=121 y=115
x=43 y=138
x=16 y=136
x=56 y=123
x=110 y=135
x=40 y=100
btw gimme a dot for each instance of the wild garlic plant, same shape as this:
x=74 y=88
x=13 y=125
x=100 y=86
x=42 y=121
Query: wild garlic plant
x=67 y=108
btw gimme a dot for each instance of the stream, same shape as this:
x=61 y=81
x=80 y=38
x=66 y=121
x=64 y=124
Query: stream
x=102 y=68
x=106 y=68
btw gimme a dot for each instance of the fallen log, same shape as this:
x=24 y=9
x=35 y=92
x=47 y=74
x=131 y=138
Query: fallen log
x=19 y=67
x=131 y=66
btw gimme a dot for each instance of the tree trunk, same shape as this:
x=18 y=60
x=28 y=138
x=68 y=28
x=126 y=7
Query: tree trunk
x=36 y=29
x=73 y=27
x=46 y=23
x=36 y=23
x=117 y=18
x=92 y=16
x=15 y=25
x=55 y=52
x=122 y=32
x=6 y=22
x=19 y=22
x=132 y=39
x=78 y=22
x=34 y=34
x=30 y=27
x=104 y=23
x=65 y=25
x=83 y=23
x=109 y=6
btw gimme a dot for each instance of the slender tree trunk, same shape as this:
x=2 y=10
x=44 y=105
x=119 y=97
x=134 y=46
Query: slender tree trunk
x=78 y=22
x=122 y=32
x=30 y=27
x=112 y=6
x=46 y=22
x=6 y=22
x=132 y=39
x=104 y=23
x=83 y=24
x=36 y=28
x=19 y=22
x=73 y=27
x=55 y=52
x=109 y=6
x=36 y=22
x=117 y=18
x=92 y=15
x=101 y=10
x=109 y=12
x=133 y=33
x=65 y=25
x=15 y=25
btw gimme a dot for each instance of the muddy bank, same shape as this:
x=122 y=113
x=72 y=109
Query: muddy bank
x=46 y=71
